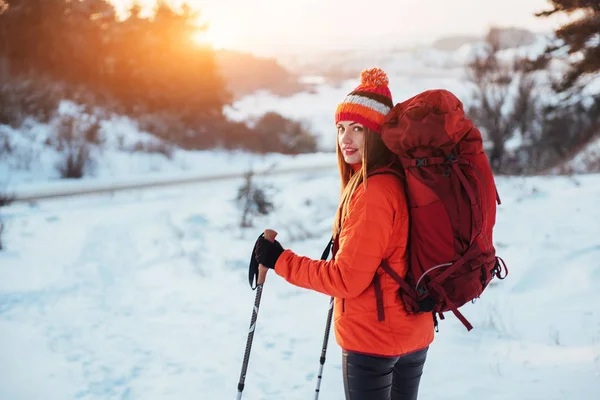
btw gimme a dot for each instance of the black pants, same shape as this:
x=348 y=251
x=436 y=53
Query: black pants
x=382 y=378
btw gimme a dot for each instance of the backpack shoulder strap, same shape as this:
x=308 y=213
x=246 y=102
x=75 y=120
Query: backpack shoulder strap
x=386 y=171
x=379 y=294
x=395 y=276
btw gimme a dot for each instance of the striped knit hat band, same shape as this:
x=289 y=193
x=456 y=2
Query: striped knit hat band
x=369 y=103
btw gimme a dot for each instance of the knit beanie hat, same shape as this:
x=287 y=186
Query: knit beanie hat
x=369 y=103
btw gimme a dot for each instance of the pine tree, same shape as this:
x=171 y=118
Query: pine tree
x=580 y=36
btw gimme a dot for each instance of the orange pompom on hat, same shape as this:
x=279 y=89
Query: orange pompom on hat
x=369 y=103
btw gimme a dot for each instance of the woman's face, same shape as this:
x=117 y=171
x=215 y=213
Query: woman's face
x=351 y=139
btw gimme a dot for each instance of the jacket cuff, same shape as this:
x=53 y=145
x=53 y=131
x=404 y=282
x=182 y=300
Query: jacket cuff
x=282 y=262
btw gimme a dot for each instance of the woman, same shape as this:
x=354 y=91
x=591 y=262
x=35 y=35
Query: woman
x=384 y=348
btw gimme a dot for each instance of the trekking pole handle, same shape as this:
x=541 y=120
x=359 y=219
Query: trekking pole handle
x=270 y=235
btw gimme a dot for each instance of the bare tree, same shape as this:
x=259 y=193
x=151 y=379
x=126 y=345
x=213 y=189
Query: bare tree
x=4 y=201
x=505 y=100
x=72 y=135
x=253 y=200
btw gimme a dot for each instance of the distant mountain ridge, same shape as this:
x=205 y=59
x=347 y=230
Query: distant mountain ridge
x=509 y=38
x=445 y=53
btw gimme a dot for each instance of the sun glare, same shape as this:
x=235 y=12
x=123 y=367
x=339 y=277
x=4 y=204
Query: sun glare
x=214 y=39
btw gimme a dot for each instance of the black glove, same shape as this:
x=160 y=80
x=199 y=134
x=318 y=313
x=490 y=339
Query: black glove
x=266 y=252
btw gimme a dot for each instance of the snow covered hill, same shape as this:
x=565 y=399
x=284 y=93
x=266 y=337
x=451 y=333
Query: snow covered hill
x=123 y=153
x=145 y=296
x=410 y=70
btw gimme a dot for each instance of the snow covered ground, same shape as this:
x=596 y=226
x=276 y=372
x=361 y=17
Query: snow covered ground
x=31 y=164
x=144 y=295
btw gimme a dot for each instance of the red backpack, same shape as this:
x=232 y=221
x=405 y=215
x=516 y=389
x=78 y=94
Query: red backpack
x=452 y=204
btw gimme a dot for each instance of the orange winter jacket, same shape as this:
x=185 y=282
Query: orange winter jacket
x=375 y=229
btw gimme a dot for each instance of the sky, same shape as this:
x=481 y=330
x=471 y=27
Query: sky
x=285 y=26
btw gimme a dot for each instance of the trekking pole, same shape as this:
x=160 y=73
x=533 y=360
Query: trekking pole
x=324 y=349
x=262 y=275
x=324 y=256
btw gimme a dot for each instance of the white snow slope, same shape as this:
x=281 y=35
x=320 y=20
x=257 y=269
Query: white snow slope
x=144 y=295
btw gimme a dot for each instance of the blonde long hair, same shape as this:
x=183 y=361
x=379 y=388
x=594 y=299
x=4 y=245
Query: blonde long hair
x=375 y=154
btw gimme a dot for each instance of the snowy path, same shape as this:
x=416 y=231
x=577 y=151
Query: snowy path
x=145 y=296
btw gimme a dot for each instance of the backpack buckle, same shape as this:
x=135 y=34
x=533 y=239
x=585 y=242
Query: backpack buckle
x=422 y=291
x=421 y=162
